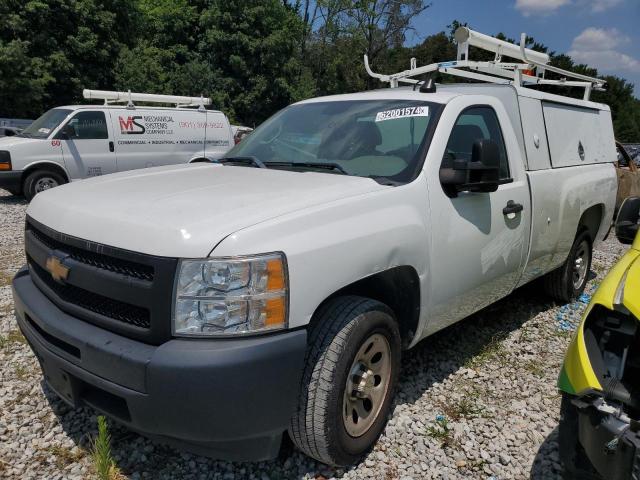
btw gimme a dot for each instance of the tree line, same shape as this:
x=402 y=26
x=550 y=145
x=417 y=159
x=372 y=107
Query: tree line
x=252 y=57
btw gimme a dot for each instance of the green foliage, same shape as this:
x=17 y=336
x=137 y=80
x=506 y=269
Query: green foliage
x=51 y=49
x=441 y=431
x=101 y=452
x=252 y=57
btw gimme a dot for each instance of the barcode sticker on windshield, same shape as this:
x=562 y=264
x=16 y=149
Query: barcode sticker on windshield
x=402 y=113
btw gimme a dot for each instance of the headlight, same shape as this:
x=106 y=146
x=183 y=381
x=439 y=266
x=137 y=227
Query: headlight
x=218 y=297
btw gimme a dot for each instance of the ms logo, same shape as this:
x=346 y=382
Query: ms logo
x=130 y=126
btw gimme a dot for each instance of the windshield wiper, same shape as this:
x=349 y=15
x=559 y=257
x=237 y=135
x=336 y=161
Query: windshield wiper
x=384 y=180
x=321 y=165
x=248 y=160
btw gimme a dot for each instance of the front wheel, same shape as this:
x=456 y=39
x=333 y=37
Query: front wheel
x=40 y=181
x=568 y=281
x=350 y=375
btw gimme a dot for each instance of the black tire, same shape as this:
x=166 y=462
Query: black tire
x=34 y=181
x=559 y=283
x=576 y=464
x=340 y=331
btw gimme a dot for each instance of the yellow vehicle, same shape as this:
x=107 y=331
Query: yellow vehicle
x=600 y=378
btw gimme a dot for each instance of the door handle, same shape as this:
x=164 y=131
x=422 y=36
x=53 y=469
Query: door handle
x=512 y=207
x=111 y=147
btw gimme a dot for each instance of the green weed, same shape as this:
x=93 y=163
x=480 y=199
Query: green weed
x=441 y=431
x=103 y=461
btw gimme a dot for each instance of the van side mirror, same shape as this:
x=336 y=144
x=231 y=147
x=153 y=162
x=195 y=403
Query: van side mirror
x=480 y=174
x=67 y=132
x=628 y=220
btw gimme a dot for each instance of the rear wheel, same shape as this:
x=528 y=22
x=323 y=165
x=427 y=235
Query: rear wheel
x=40 y=181
x=349 y=379
x=568 y=281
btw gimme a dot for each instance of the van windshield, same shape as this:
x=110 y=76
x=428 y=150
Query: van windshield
x=45 y=124
x=382 y=139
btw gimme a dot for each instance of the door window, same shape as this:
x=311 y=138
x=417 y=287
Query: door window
x=475 y=123
x=88 y=126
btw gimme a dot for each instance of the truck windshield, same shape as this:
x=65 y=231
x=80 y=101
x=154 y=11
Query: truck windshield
x=45 y=124
x=382 y=139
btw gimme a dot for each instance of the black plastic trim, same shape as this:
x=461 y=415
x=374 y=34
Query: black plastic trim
x=138 y=287
x=10 y=179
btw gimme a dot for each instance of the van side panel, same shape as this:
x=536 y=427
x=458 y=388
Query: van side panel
x=219 y=138
x=153 y=137
x=559 y=198
x=578 y=135
x=535 y=136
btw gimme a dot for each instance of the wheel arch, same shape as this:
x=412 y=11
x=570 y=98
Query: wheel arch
x=398 y=288
x=591 y=220
x=51 y=166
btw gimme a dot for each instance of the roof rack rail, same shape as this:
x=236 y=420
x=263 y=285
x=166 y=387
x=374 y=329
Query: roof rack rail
x=130 y=97
x=530 y=71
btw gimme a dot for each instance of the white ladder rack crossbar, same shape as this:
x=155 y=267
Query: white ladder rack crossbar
x=131 y=97
x=496 y=71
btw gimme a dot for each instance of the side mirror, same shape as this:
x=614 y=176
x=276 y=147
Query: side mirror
x=628 y=220
x=480 y=174
x=67 y=132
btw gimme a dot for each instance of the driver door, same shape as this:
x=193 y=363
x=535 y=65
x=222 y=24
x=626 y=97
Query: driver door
x=478 y=250
x=87 y=144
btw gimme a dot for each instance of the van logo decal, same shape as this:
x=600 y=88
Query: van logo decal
x=59 y=272
x=55 y=143
x=130 y=126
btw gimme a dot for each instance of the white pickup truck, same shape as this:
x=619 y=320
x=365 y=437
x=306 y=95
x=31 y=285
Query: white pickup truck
x=216 y=307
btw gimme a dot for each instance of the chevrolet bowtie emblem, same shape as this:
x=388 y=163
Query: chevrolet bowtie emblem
x=58 y=271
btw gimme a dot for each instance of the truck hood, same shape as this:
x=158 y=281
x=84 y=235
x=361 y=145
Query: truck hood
x=11 y=142
x=184 y=210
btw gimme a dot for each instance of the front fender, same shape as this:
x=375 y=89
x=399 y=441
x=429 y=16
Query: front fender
x=577 y=375
x=333 y=245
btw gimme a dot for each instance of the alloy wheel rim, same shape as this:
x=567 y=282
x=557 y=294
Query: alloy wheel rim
x=580 y=264
x=367 y=385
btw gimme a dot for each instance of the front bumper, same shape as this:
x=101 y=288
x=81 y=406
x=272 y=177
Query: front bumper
x=612 y=445
x=11 y=179
x=225 y=398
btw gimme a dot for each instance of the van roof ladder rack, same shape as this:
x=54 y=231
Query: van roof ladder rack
x=130 y=97
x=530 y=71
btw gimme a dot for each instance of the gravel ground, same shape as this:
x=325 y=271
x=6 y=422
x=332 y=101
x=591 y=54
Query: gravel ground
x=477 y=400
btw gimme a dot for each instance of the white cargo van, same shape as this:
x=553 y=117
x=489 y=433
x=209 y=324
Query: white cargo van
x=75 y=142
x=345 y=229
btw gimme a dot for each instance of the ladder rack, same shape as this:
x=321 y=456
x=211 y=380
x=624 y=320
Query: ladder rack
x=530 y=72
x=129 y=97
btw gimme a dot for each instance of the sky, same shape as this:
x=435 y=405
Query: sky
x=604 y=34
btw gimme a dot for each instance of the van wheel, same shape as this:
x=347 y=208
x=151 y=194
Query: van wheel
x=350 y=374
x=574 y=459
x=39 y=181
x=567 y=282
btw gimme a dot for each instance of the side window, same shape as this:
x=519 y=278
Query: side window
x=88 y=126
x=476 y=123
